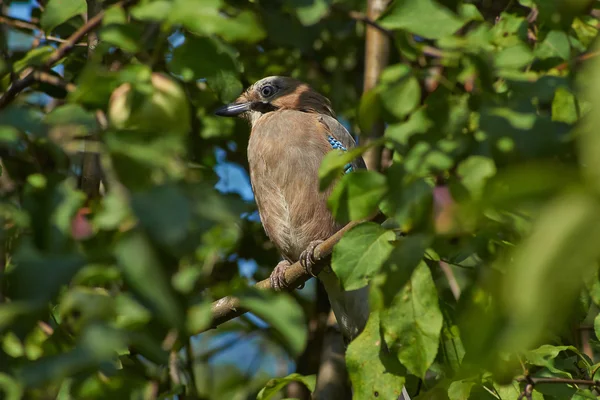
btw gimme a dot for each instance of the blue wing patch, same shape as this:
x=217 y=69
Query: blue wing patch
x=337 y=145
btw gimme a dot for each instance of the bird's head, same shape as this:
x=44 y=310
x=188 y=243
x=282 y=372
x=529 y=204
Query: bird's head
x=276 y=93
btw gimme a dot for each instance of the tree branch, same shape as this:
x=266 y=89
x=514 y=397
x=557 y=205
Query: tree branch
x=23 y=83
x=377 y=46
x=90 y=168
x=22 y=24
x=358 y=16
x=230 y=307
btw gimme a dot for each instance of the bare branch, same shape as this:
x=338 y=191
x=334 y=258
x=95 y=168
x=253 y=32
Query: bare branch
x=377 y=46
x=23 y=83
x=21 y=24
x=91 y=169
x=358 y=16
x=568 y=381
x=230 y=307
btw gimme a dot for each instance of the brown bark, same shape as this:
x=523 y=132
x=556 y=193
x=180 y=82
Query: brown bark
x=377 y=48
x=332 y=379
x=309 y=361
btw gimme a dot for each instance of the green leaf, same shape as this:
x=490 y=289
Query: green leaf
x=589 y=146
x=332 y=166
x=96 y=345
x=409 y=200
x=57 y=12
x=199 y=317
x=145 y=275
x=460 y=390
x=38 y=277
x=217 y=66
x=360 y=253
x=425 y=18
x=400 y=92
x=156 y=10
x=275 y=385
x=125 y=36
x=72 y=115
x=309 y=12
x=544 y=356
x=566 y=233
x=597 y=326
x=11 y=388
x=474 y=173
x=164 y=211
x=357 y=195
x=401 y=133
x=374 y=372
x=556 y=44
x=283 y=314
x=413 y=324
x=205 y=18
x=368 y=110
x=514 y=57
x=400 y=265
x=34 y=58
x=564 y=106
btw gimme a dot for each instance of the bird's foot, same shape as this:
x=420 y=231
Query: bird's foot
x=277 y=277
x=307 y=258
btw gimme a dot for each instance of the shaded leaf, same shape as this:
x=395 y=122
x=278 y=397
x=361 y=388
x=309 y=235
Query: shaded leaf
x=413 y=324
x=282 y=313
x=146 y=276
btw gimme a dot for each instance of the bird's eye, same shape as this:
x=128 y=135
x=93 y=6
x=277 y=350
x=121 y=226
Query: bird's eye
x=267 y=91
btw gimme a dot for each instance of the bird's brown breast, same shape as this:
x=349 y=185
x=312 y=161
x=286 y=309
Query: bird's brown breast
x=284 y=152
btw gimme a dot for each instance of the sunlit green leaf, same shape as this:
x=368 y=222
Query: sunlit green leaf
x=274 y=386
x=58 y=11
x=357 y=195
x=360 y=253
x=374 y=372
x=425 y=18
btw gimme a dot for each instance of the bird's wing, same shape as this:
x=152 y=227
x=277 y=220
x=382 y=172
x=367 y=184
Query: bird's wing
x=336 y=130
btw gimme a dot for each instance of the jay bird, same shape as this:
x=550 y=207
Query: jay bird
x=292 y=128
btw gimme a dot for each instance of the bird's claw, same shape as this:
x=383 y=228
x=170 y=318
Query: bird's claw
x=307 y=258
x=277 y=277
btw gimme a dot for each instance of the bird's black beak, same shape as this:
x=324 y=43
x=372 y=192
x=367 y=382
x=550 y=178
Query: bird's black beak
x=233 y=109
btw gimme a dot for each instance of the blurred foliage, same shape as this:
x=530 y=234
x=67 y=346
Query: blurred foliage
x=486 y=269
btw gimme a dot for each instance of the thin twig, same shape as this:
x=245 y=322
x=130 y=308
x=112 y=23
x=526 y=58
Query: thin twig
x=567 y=381
x=454 y=287
x=18 y=23
x=23 y=83
x=579 y=59
x=22 y=24
x=358 y=16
